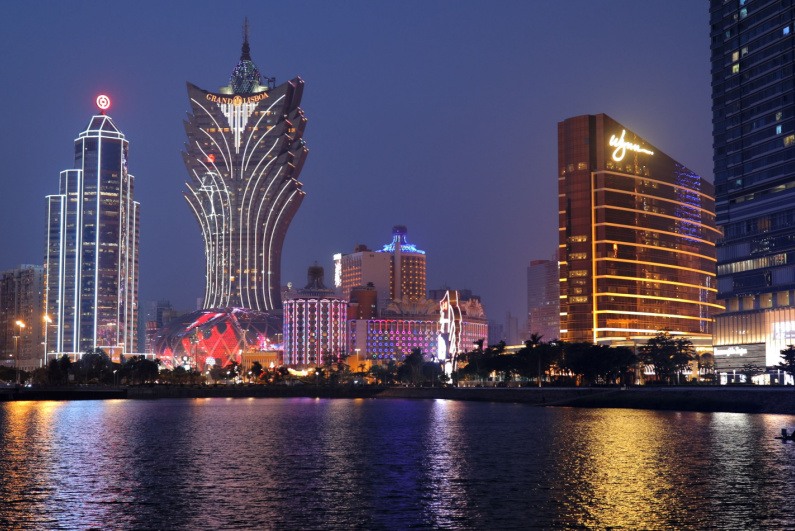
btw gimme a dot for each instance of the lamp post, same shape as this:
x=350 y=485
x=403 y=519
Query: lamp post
x=21 y=325
x=47 y=323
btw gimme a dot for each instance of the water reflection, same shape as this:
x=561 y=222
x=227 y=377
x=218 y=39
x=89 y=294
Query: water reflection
x=387 y=464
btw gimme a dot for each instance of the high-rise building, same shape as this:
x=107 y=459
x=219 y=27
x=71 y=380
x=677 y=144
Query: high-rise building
x=408 y=267
x=363 y=267
x=91 y=262
x=244 y=153
x=637 y=238
x=543 y=299
x=22 y=301
x=754 y=154
x=314 y=323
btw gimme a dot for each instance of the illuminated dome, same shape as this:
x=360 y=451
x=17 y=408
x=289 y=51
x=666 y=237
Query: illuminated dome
x=245 y=77
x=216 y=337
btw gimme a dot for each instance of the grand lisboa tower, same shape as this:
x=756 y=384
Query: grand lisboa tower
x=244 y=153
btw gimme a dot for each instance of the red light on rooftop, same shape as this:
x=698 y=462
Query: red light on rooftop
x=103 y=102
x=211 y=158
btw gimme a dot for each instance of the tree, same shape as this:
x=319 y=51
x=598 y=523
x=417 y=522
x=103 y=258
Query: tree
x=787 y=363
x=706 y=366
x=256 y=370
x=411 y=368
x=95 y=366
x=536 y=358
x=138 y=370
x=668 y=355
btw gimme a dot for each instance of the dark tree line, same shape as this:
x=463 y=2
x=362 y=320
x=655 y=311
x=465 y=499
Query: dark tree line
x=581 y=363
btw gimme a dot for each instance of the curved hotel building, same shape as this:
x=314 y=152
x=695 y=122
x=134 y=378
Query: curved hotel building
x=637 y=238
x=244 y=154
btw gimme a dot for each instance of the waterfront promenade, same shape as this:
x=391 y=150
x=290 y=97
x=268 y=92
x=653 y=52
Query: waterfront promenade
x=749 y=399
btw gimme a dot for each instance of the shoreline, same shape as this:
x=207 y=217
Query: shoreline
x=777 y=400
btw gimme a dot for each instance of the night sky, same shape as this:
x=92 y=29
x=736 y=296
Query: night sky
x=438 y=115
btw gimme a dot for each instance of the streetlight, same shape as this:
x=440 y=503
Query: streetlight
x=47 y=323
x=21 y=325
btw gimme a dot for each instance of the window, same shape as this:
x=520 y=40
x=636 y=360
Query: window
x=778 y=129
x=578 y=299
x=785 y=31
x=735 y=69
x=743 y=13
x=735 y=57
x=582 y=166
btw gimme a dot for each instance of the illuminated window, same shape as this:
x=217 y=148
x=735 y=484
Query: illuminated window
x=578 y=256
x=582 y=166
x=578 y=273
x=789 y=140
x=744 y=51
x=744 y=13
x=735 y=57
x=785 y=31
x=575 y=239
x=778 y=129
x=735 y=69
x=578 y=299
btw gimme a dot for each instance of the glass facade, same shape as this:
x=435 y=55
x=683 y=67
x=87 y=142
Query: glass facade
x=543 y=299
x=91 y=261
x=637 y=238
x=244 y=154
x=754 y=154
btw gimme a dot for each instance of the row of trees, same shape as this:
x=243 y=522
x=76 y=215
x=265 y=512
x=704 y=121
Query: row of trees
x=582 y=363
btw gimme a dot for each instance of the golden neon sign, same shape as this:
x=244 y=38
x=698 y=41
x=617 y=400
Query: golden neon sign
x=237 y=100
x=622 y=146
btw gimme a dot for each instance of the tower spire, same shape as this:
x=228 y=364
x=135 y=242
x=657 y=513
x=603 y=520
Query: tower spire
x=246 y=54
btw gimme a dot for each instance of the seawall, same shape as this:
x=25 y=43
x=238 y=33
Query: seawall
x=780 y=400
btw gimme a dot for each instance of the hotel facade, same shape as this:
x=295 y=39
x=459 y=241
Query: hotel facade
x=243 y=155
x=637 y=238
x=91 y=260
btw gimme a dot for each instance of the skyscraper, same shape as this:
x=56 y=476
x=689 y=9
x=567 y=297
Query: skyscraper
x=754 y=141
x=637 y=238
x=244 y=153
x=91 y=262
x=543 y=299
x=408 y=267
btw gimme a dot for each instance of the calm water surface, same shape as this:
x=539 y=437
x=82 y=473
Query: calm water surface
x=387 y=464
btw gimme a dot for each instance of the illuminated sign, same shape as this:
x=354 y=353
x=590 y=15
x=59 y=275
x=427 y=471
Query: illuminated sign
x=103 y=102
x=622 y=146
x=731 y=351
x=237 y=100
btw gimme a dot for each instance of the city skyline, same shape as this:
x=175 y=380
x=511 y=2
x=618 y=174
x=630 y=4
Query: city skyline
x=392 y=133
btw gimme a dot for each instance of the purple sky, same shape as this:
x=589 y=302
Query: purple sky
x=438 y=115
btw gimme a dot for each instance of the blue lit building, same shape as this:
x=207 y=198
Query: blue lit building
x=408 y=267
x=753 y=106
